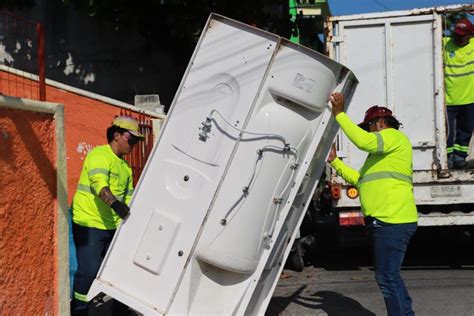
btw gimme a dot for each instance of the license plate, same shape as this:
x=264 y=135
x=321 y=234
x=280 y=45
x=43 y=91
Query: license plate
x=446 y=191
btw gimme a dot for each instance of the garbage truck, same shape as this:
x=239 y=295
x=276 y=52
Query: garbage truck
x=398 y=58
x=226 y=187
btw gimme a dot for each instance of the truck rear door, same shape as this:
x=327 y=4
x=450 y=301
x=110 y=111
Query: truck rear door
x=397 y=57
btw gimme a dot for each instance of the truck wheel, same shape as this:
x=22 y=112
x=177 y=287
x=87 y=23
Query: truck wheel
x=296 y=258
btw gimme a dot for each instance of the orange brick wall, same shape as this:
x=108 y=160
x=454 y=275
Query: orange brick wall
x=28 y=214
x=85 y=120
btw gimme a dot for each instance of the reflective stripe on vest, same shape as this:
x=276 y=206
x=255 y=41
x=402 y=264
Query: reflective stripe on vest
x=85 y=188
x=460 y=66
x=379 y=143
x=99 y=171
x=88 y=189
x=385 y=175
x=458 y=73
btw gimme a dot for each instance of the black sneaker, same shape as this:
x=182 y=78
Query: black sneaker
x=459 y=164
x=79 y=308
x=469 y=164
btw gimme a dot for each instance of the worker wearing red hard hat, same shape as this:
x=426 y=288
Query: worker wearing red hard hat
x=459 y=88
x=385 y=192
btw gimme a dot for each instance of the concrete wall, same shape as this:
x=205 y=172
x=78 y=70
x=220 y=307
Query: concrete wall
x=33 y=226
x=87 y=117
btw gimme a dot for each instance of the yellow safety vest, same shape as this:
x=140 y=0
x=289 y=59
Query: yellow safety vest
x=385 y=180
x=102 y=168
x=459 y=72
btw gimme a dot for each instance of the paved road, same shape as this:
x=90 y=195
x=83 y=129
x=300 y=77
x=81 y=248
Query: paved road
x=316 y=291
x=438 y=270
x=439 y=273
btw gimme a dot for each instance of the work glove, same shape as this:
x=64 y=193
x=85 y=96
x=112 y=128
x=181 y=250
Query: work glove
x=121 y=209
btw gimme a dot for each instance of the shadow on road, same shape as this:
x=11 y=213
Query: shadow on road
x=332 y=303
x=279 y=304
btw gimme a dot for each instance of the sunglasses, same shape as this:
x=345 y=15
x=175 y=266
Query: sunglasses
x=132 y=140
x=370 y=123
x=366 y=126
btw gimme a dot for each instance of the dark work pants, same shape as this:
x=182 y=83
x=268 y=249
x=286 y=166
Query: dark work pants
x=460 y=127
x=91 y=247
x=389 y=244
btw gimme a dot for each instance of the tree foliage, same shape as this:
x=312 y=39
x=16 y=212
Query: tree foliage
x=178 y=23
x=17 y=4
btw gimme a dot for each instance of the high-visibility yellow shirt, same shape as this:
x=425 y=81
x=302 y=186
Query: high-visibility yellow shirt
x=459 y=72
x=385 y=180
x=102 y=168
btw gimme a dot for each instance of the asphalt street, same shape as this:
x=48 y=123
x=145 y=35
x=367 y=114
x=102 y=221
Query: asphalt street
x=438 y=271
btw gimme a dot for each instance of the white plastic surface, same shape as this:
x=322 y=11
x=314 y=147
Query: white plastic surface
x=151 y=255
x=220 y=194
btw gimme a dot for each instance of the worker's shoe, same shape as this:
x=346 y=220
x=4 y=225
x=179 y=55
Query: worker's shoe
x=459 y=164
x=469 y=164
x=80 y=312
x=79 y=308
x=456 y=161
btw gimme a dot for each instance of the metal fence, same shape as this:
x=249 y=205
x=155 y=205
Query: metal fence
x=142 y=150
x=22 y=59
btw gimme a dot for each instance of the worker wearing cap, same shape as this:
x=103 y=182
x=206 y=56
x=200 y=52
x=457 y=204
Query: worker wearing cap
x=459 y=86
x=100 y=203
x=386 y=195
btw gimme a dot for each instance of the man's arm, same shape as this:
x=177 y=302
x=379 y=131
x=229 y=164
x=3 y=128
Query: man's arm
x=99 y=180
x=106 y=195
x=365 y=141
x=120 y=208
x=347 y=173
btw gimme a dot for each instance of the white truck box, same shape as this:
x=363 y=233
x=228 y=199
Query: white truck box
x=226 y=187
x=398 y=59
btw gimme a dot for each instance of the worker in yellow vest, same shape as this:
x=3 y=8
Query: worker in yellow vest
x=386 y=195
x=459 y=86
x=100 y=203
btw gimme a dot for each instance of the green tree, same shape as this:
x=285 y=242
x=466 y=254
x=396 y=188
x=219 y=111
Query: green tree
x=175 y=25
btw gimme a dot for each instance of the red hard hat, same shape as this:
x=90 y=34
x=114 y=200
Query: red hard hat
x=463 y=27
x=374 y=112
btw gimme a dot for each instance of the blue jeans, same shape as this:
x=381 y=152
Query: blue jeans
x=389 y=244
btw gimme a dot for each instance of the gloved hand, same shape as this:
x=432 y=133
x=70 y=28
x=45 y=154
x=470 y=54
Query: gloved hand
x=121 y=209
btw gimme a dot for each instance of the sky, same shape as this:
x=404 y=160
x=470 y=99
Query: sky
x=345 y=7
